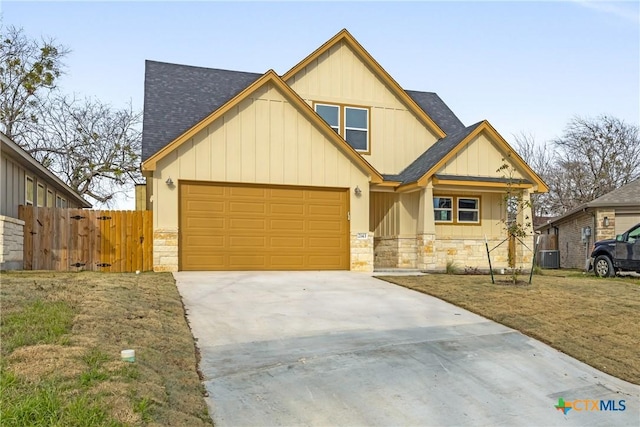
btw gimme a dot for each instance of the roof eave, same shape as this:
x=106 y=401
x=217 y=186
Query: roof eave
x=29 y=160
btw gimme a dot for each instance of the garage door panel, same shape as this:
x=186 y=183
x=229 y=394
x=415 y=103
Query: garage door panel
x=325 y=210
x=287 y=194
x=203 y=224
x=325 y=225
x=248 y=242
x=205 y=241
x=287 y=225
x=326 y=242
x=239 y=192
x=247 y=224
x=246 y=208
x=247 y=260
x=277 y=208
x=286 y=242
x=204 y=207
x=258 y=227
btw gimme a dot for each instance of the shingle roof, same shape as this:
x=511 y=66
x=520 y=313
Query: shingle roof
x=439 y=112
x=627 y=195
x=432 y=156
x=176 y=97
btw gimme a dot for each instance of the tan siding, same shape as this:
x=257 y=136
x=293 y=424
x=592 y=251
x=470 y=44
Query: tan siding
x=491 y=213
x=385 y=219
x=479 y=158
x=264 y=140
x=339 y=76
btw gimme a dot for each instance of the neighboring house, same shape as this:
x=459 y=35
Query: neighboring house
x=605 y=217
x=330 y=166
x=24 y=181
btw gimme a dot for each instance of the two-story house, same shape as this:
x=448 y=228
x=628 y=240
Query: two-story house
x=332 y=165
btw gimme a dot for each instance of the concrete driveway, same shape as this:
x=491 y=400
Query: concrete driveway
x=343 y=348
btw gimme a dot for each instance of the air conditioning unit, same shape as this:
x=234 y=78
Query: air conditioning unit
x=549 y=259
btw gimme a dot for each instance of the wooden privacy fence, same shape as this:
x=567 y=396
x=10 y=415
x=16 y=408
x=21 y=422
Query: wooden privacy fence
x=77 y=239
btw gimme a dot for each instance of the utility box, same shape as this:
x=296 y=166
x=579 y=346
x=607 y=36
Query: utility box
x=549 y=259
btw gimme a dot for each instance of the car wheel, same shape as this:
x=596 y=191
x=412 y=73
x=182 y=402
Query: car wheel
x=603 y=266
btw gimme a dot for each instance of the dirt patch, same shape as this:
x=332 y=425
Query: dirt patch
x=114 y=312
x=591 y=319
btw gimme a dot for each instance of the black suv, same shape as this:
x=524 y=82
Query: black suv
x=622 y=254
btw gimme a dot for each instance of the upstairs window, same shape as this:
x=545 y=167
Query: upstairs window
x=50 y=198
x=330 y=114
x=352 y=123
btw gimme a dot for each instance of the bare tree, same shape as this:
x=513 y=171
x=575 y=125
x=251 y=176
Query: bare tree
x=28 y=69
x=595 y=156
x=592 y=157
x=91 y=146
x=541 y=159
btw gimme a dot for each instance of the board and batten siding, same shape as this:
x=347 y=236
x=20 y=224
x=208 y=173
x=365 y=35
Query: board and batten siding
x=263 y=140
x=339 y=76
x=394 y=214
x=492 y=212
x=479 y=158
x=13 y=187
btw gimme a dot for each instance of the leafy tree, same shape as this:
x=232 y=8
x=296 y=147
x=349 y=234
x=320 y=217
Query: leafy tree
x=90 y=145
x=28 y=69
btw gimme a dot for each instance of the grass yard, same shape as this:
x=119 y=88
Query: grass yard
x=61 y=339
x=591 y=319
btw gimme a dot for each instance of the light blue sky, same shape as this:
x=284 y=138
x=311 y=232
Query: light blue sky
x=524 y=66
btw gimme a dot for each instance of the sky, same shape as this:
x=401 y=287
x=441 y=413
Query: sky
x=526 y=67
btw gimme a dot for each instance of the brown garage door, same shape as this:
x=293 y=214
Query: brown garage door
x=259 y=227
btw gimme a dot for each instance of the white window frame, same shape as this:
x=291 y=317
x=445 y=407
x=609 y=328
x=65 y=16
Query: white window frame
x=442 y=221
x=28 y=184
x=315 y=107
x=41 y=191
x=51 y=201
x=366 y=130
x=342 y=122
x=459 y=209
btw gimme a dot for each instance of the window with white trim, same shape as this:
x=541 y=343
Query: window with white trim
x=40 y=195
x=50 y=198
x=456 y=210
x=28 y=191
x=352 y=123
x=469 y=209
x=443 y=209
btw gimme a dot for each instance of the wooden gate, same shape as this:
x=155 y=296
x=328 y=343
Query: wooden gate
x=77 y=239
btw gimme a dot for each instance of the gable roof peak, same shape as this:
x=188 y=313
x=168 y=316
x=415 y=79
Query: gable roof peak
x=381 y=73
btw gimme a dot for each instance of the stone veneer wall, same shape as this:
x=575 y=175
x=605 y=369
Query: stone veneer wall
x=601 y=232
x=426 y=253
x=165 y=250
x=11 y=243
x=395 y=252
x=361 y=251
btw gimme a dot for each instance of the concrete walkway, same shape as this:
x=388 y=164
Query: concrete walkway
x=346 y=349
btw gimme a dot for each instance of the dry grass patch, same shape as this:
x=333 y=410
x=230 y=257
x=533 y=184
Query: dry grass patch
x=61 y=339
x=591 y=319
